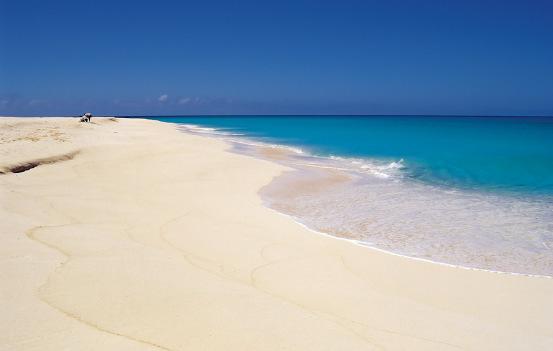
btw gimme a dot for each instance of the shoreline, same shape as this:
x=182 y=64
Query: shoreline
x=367 y=246
x=359 y=242
x=283 y=155
x=168 y=245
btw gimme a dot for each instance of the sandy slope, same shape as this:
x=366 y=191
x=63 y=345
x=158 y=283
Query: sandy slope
x=145 y=238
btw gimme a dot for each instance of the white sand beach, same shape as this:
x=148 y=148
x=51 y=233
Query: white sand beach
x=126 y=234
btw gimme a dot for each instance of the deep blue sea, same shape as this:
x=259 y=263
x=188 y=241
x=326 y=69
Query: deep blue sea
x=468 y=191
x=513 y=154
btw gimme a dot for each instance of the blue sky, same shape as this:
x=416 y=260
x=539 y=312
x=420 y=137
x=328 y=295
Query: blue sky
x=278 y=57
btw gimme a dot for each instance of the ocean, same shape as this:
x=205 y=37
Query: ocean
x=468 y=191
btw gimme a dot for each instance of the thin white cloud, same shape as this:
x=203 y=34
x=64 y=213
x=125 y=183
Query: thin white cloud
x=184 y=101
x=163 y=98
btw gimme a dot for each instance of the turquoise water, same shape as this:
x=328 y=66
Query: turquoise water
x=513 y=154
x=469 y=191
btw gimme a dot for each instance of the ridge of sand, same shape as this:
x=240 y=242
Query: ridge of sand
x=151 y=239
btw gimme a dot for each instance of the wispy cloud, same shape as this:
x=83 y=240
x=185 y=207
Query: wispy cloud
x=184 y=100
x=163 y=98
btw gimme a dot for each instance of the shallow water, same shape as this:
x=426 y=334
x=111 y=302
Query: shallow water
x=378 y=202
x=468 y=229
x=507 y=154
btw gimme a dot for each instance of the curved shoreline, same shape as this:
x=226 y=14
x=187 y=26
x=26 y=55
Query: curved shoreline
x=388 y=252
x=258 y=145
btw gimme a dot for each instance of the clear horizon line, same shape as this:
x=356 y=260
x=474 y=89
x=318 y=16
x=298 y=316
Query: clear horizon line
x=328 y=115
x=286 y=115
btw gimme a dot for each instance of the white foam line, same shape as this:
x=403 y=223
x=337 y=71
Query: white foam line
x=320 y=166
x=246 y=141
x=366 y=168
x=369 y=247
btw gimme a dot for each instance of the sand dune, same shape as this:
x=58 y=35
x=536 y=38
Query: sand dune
x=150 y=239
